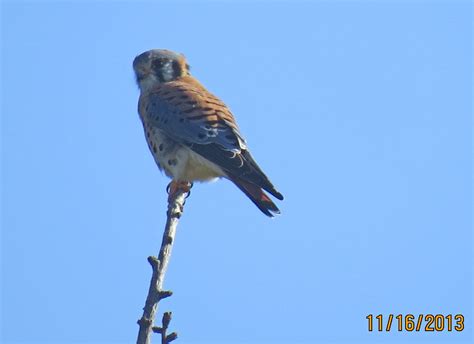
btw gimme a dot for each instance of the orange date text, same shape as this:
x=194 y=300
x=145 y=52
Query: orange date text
x=417 y=323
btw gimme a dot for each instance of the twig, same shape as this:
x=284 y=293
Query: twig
x=165 y=321
x=159 y=265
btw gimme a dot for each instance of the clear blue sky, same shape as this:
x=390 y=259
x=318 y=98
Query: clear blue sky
x=359 y=111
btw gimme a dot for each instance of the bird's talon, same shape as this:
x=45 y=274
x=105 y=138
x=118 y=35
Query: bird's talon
x=174 y=186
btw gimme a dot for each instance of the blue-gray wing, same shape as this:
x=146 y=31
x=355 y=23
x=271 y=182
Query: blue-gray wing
x=191 y=115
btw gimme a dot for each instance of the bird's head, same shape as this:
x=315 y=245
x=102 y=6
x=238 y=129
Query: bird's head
x=159 y=66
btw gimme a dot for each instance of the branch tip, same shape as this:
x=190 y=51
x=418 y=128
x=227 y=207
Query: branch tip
x=172 y=336
x=166 y=319
x=154 y=262
x=164 y=294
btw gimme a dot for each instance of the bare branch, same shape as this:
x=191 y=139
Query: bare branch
x=159 y=265
x=165 y=321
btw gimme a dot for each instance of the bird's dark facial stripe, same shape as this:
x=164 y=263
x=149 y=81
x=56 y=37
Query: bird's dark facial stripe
x=177 y=72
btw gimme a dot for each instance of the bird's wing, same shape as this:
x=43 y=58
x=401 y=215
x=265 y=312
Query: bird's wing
x=186 y=112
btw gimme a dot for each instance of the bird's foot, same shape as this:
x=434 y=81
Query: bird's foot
x=178 y=185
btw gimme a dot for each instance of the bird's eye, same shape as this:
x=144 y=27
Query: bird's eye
x=159 y=63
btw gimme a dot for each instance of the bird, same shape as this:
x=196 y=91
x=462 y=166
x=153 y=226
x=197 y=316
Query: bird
x=191 y=133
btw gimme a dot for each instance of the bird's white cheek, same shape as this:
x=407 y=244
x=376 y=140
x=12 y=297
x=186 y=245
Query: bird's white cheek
x=168 y=73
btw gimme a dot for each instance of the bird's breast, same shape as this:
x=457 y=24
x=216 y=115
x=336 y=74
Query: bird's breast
x=177 y=161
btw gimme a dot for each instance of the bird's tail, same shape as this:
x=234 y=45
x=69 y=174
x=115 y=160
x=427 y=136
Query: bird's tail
x=257 y=196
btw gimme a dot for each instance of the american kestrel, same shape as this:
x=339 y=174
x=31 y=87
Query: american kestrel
x=192 y=134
